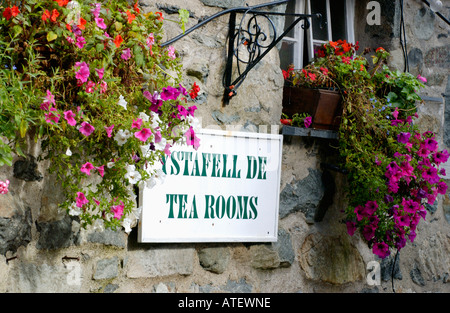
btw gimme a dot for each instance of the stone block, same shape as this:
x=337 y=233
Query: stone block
x=214 y=259
x=303 y=195
x=331 y=259
x=108 y=237
x=15 y=223
x=107 y=268
x=158 y=262
x=56 y=234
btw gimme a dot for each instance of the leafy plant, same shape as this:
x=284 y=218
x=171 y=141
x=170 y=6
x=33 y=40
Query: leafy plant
x=393 y=169
x=92 y=82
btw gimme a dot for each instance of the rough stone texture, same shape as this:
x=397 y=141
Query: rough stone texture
x=161 y=262
x=107 y=268
x=447 y=114
x=40 y=278
x=438 y=57
x=26 y=169
x=57 y=234
x=108 y=237
x=390 y=267
x=434 y=255
x=214 y=259
x=15 y=224
x=423 y=23
x=303 y=195
x=331 y=259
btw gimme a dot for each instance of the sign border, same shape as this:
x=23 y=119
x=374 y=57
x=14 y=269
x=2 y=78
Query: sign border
x=243 y=239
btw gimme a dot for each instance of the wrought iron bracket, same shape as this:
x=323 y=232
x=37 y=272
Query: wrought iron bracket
x=248 y=40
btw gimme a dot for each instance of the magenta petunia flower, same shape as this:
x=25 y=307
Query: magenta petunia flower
x=169 y=93
x=87 y=168
x=403 y=220
x=381 y=249
x=403 y=137
x=431 y=144
x=101 y=170
x=83 y=72
x=307 y=121
x=80 y=42
x=192 y=139
x=86 y=129
x=109 y=130
x=118 y=210
x=100 y=23
x=100 y=72
x=421 y=78
x=126 y=54
x=81 y=199
x=351 y=227
x=69 y=116
x=136 y=123
x=143 y=134
x=442 y=188
x=441 y=157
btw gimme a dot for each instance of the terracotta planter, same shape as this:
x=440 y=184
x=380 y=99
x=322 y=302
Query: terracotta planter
x=324 y=106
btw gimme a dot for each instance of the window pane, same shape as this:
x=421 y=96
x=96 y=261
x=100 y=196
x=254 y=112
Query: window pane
x=338 y=17
x=319 y=6
x=290 y=8
x=286 y=54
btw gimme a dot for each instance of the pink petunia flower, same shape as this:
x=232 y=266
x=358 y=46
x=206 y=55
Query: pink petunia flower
x=52 y=118
x=126 y=54
x=87 y=168
x=101 y=170
x=118 y=210
x=192 y=139
x=100 y=72
x=81 y=199
x=83 y=72
x=86 y=129
x=109 y=130
x=137 y=123
x=307 y=121
x=80 y=42
x=421 y=78
x=143 y=135
x=69 y=116
x=100 y=23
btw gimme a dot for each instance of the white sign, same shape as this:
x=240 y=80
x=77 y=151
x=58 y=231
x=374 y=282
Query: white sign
x=226 y=191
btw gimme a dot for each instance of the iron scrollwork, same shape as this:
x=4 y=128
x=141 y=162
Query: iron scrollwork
x=252 y=41
x=249 y=42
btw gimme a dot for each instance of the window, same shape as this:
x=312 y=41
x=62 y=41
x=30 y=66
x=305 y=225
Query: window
x=298 y=46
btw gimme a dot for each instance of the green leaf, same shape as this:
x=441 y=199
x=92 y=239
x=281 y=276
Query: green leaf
x=184 y=18
x=138 y=56
x=99 y=47
x=51 y=36
x=23 y=128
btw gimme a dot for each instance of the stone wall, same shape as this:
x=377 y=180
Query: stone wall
x=44 y=250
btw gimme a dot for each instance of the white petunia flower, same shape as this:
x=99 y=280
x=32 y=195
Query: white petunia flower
x=144 y=117
x=68 y=152
x=74 y=210
x=122 y=102
x=160 y=146
x=122 y=136
x=132 y=175
x=155 y=120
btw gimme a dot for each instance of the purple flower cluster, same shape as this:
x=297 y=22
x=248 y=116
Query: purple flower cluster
x=412 y=179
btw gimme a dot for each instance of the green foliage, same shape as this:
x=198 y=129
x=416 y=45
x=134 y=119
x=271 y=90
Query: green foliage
x=92 y=82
